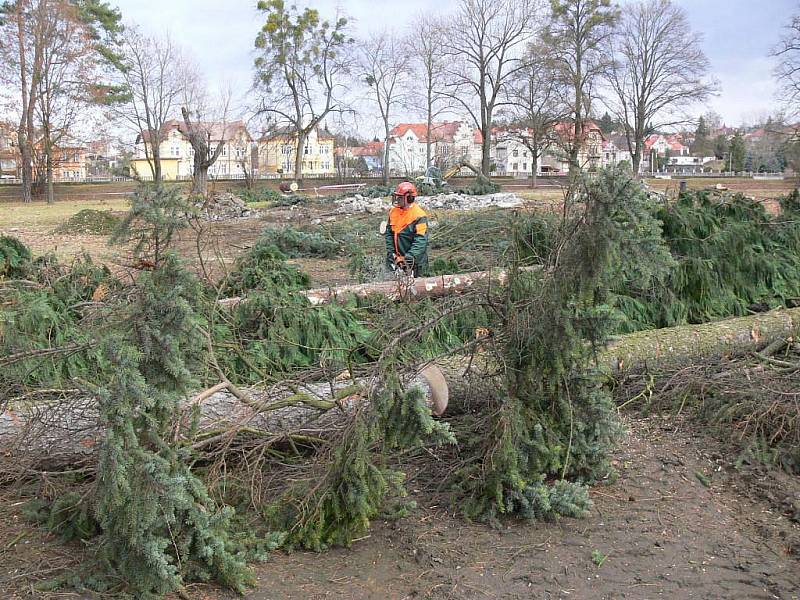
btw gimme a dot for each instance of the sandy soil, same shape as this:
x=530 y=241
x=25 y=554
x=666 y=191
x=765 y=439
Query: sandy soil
x=664 y=533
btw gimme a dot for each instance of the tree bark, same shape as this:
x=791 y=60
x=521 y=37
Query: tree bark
x=676 y=347
x=298 y=159
x=25 y=131
x=422 y=287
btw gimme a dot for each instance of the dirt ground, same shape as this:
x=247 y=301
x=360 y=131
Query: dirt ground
x=679 y=522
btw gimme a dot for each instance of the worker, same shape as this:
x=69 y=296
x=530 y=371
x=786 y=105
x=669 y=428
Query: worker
x=407 y=232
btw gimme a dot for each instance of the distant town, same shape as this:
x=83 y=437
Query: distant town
x=711 y=148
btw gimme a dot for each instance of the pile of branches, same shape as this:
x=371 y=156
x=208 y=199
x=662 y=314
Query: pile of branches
x=729 y=258
x=751 y=402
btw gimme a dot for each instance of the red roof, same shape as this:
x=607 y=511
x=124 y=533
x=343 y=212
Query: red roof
x=218 y=130
x=674 y=142
x=566 y=129
x=440 y=132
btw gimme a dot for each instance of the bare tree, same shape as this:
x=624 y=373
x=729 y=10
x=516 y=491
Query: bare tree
x=430 y=65
x=205 y=125
x=787 y=71
x=49 y=54
x=537 y=101
x=576 y=36
x=301 y=70
x=659 y=70
x=383 y=64
x=484 y=47
x=151 y=82
x=65 y=85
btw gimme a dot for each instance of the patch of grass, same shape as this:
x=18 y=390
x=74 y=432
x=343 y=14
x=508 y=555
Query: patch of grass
x=598 y=558
x=40 y=214
x=89 y=220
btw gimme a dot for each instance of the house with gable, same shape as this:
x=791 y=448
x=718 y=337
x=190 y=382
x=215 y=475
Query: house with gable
x=177 y=154
x=277 y=151
x=452 y=142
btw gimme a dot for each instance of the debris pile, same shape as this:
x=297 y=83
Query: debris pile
x=225 y=205
x=360 y=204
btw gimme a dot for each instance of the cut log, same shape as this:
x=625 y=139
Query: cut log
x=407 y=287
x=676 y=347
x=68 y=432
x=54 y=434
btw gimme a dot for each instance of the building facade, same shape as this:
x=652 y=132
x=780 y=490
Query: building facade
x=452 y=143
x=177 y=153
x=276 y=154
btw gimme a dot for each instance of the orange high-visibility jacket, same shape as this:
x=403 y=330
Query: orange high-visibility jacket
x=407 y=234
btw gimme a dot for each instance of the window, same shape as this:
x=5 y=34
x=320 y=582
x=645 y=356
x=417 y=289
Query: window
x=525 y=166
x=516 y=152
x=225 y=150
x=525 y=153
x=515 y=167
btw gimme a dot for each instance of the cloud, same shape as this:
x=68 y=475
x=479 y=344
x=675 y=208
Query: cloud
x=219 y=35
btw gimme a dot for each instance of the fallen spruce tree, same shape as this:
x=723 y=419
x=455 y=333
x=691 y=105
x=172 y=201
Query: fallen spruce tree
x=68 y=432
x=157 y=511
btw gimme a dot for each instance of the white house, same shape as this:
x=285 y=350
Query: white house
x=177 y=154
x=451 y=143
x=511 y=156
x=688 y=164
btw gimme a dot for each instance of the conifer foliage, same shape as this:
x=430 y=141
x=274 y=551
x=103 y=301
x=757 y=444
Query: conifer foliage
x=159 y=526
x=730 y=257
x=553 y=420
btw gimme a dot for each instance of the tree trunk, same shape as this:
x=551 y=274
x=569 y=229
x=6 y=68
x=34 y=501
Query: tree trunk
x=676 y=347
x=26 y=168
x=55 y=435
x=25 y=128
x=428 y=129
x=200 y=178
x=421 y=287
x=535 y=165
x=156 y=152
x=386 y=151
x=298 y=159
x=49 y=174
x=486 y=159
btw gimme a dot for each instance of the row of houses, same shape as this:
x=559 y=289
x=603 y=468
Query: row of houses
x=510 y=150
x=273 y=154
x=240 y=156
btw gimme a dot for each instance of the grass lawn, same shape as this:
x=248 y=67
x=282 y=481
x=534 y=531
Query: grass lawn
x=49 y=216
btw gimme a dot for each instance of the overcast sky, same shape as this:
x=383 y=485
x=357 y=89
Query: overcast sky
x=738 y=35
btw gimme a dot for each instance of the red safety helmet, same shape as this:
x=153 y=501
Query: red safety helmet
x=406 y=190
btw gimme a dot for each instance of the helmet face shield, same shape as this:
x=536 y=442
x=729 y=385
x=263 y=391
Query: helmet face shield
x=401 y=200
